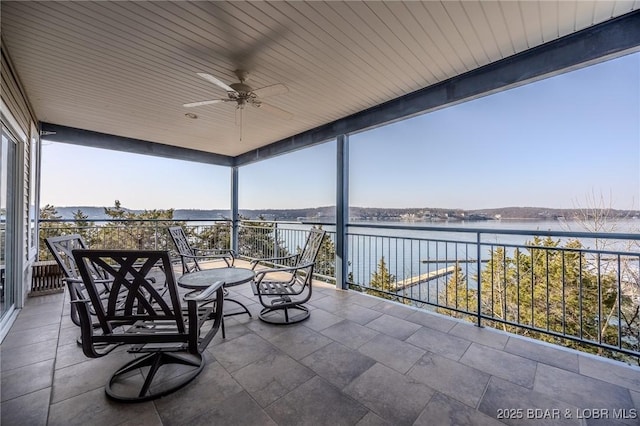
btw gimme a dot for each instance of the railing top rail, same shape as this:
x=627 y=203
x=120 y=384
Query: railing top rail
x=288 y=222
x=462 y=230
x=132 y=220
x=489 y=231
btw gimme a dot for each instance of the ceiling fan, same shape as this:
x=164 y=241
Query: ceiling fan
x=243 y=94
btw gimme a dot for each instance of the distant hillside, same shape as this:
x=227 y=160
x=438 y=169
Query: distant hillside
x=327 y=214
x=97 y=213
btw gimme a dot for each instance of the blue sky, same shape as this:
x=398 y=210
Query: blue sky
x=556 y=143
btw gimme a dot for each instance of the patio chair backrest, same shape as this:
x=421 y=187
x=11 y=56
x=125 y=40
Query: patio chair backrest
x=61 y=248
x=186 y=252
x=312 y=247
x=133 y=296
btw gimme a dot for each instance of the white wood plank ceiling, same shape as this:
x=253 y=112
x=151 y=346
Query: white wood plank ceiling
x=126 y=67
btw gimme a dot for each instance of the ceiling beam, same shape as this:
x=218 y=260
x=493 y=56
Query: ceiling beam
x=71 y=135
x=592 y=45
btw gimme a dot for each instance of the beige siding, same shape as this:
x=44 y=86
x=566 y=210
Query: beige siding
x=22 y=117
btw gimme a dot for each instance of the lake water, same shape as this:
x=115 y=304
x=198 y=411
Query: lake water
x=410 y=251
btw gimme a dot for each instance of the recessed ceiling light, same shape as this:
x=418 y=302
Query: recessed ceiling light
x=191 y=115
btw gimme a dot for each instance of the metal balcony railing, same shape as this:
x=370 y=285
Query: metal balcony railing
x=148 y=234
x=578 y=289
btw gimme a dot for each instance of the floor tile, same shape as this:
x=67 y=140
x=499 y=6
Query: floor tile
x=237 y=353
x=517 y=405
x=548 y=354
x=301 y=407
x=28 y=322
x=359 y=314
x=298 y=342
x=21 y=356
x=372 y=419
x=95 y=409
x=24 y=380
x=443 y=411
x=610 y=371
x=338 y=364
x=452 y=378
x=572 y=388
x=510 y=367
x=393 y=326
x=395 y=309
x=350 y=334
x=393 y=396
x=484 y=335
x=28 y=337
x=321 y=319
x=439 y=343
x=392 y=352
x=212 y=386
x=86 y=376
x=362 y=299
x=30 y=409
x=237 y=410
x=435 y=321
x=271 y=377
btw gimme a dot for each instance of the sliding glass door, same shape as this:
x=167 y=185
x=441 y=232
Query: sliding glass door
x=7 y=228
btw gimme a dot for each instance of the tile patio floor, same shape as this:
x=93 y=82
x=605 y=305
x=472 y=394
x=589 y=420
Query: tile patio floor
x=357 y=361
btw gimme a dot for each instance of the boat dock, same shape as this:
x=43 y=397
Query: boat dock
x=409 y=282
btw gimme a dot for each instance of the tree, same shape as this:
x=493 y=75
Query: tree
x=545 y=287
x=326 y=260
x=50 y=229
x=258 y=240
x=82 y=226
x=457 y=295
x=382 y=282
x=217 y=236
x=141 y=231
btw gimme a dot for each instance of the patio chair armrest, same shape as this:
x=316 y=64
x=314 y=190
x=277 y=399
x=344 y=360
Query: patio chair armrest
x=206 y=294
x=255 y=262
x=203 y=308
x=213 y=252
x=221 y=256
x=262 y=273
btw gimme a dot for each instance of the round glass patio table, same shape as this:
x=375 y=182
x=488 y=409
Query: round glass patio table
x=200 y=280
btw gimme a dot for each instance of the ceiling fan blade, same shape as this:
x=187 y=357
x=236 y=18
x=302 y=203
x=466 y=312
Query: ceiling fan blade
x=276 y=89
x=274 y=110
x=201 y=103
x=215 y=81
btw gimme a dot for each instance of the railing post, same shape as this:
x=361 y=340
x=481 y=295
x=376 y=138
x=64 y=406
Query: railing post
x=155 y=234
x=275 y=240
x=479 y=280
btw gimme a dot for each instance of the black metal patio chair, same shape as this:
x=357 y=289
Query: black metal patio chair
x=283 y=290
x=61 y=248
x=167 y=339
x=190 y=256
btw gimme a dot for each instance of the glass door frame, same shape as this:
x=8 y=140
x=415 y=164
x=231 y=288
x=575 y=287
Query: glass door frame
x=12 y=278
